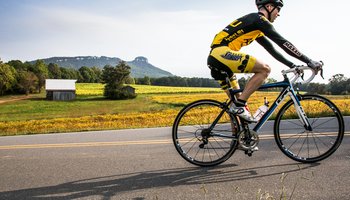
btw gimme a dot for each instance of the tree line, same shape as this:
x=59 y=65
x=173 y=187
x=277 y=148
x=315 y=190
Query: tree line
x=177 y=81
x=17 y=77
x=338 y=85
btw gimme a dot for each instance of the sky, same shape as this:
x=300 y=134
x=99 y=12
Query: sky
x=175 y=35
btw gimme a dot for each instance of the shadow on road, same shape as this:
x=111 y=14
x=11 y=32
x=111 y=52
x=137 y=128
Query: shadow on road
x=109 y=186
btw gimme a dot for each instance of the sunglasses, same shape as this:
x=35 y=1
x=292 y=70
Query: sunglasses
x=279 y=8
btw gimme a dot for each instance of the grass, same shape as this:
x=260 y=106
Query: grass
x=90 y=111
x=89 y=102
x=39 y=108
x=97 y=89
x=153 y=107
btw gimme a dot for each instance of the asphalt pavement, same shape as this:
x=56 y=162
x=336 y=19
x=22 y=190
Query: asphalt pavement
x=143 y=164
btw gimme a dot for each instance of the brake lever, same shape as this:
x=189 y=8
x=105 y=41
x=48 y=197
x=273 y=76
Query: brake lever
x=300 y=72
x=322 y=73
x=322 y=69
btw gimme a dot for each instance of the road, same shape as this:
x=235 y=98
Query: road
x=143 y=164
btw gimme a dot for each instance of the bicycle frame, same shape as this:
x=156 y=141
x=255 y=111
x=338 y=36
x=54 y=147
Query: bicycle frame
x=287 y=90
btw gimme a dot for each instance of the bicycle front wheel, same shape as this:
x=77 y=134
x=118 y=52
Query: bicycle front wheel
x=204 y=133
x=304 y=145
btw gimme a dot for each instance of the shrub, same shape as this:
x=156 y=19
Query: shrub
x=115 y=77
x=119 y=93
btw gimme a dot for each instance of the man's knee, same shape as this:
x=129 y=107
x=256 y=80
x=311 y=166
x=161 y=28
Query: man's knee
x=262 y=68
x=266 y=69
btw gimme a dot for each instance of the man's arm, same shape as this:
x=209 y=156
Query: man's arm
x=269 y=48
x=270 y=32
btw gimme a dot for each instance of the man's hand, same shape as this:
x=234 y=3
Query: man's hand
x=315 y=65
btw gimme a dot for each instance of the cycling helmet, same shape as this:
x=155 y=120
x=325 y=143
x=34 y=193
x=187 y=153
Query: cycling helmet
x=260 y=3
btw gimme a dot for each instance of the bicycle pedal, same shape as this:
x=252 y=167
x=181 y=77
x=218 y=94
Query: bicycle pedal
x=255 y=149
x=251 y=151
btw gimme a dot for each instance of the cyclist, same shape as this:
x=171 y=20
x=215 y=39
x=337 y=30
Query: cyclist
x=226 y=57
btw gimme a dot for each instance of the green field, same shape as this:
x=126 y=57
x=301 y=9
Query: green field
x=153 y=107
x=92 y=89
x=91 y=102
x=23 y=116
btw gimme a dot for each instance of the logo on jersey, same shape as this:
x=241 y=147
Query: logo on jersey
x=234 y=35
x=292 y=48
x=247 y=41
x=231 y=56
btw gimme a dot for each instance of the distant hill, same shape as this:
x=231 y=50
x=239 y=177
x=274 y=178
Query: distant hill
x=140 y=67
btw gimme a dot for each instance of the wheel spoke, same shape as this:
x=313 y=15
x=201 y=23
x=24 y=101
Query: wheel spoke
x=324 y=122
x=214 y=149
x=309 y=146
x=301 y=147
x=189 y=142
x=295 y=141
x=191 y=126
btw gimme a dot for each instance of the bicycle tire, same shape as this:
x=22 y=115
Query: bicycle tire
x=195 y=118
x=309 y=146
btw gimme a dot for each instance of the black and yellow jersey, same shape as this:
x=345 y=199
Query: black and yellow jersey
x=255 y=26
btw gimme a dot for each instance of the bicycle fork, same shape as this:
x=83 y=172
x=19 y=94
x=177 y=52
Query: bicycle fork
x=301 y=113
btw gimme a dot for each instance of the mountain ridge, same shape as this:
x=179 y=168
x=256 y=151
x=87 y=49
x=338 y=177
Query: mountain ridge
x=140 y=67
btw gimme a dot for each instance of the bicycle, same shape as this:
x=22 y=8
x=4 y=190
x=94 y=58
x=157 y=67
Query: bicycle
x=206 y=133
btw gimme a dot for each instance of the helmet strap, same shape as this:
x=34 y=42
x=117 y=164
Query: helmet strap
x=269 y=12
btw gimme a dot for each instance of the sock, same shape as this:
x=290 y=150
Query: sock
x=240 y=103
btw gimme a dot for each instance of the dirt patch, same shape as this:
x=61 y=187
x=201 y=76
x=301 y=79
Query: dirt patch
x=14 y=99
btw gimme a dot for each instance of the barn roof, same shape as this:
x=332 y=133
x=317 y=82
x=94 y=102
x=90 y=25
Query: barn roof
x=60 y=84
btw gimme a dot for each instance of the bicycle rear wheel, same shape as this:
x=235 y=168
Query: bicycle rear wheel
x=192 y=133
x=309 y=146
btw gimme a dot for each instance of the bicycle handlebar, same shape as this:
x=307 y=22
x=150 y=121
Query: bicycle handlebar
x=299 y=72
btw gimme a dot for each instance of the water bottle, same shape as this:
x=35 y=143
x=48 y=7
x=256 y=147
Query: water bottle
x=261 y=110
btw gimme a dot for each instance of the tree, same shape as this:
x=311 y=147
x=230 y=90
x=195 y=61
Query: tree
x=40 y=69
x=313 y=88
x=87 y=75
x=69 y=73
x=130 y=80
x=27 y=81
x=163 y=81
x=145 y=81
x=19 y=65
x=54 y=71
x=7 y=78
x=270 y=80
x=347 y=86
x=114 y=78
x=337 y=84
x=97 y=74
x=65 y=73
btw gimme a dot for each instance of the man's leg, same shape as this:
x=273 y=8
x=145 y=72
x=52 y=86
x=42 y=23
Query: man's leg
x=261 y=72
